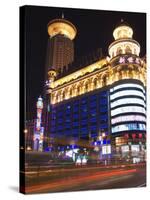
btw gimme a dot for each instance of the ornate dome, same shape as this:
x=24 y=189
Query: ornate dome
x=123 y=30
x=62 y=26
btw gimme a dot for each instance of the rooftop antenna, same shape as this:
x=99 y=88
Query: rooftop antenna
x=62 y=15
x=122 y=20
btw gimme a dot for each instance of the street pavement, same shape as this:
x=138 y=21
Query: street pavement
x=88 y=178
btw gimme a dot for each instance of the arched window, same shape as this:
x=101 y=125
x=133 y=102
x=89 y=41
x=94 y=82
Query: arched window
x=119 y=51
x=70 y=92
x=130 y=74
x=86 y=87
x=113 y=54
x=56 y=96
x=78 y=89
x=120 y=75
x=95 y=83
x=63 y=95
x=128 y=50
x=104 y=80
x=135 y=51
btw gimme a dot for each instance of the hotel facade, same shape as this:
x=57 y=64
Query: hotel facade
x=100 y=106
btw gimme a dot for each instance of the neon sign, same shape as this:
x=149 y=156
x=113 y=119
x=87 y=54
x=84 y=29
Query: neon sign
x=128 y=109
x=127 y=93
x=131 y=59
x=39 y=130
x=128 y=118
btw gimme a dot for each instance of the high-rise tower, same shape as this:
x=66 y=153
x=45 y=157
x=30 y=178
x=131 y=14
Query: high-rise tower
x=60 y=46
x=60 y=54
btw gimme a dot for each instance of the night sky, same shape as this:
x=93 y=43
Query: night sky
x=94 y=30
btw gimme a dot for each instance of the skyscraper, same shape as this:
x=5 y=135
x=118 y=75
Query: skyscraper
x=60 y=53
x=60 y=45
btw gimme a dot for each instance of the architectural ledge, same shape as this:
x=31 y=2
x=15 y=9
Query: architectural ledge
x=80 y=73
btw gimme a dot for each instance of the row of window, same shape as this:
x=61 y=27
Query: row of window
x=76 y=125
x=80 y=116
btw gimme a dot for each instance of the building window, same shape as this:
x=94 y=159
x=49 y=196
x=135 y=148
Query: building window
x=95 y=83
x=128 y=50
x=104 y=80
x=63 y=95
x=86 y=87
x=119 y=51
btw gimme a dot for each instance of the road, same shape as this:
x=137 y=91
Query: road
x=89 y=178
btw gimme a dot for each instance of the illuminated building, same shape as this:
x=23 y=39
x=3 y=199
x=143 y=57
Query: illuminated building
x=29 y=132
x=103 y=103
x=60 y=45
x=127 y=95
x=39 y=130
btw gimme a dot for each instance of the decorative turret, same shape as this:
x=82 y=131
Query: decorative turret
x=124 y=53
x=52 y=75
x=123 y=44
x=123 y=31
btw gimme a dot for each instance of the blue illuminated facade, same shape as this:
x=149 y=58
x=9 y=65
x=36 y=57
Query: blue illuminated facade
x=84 y=117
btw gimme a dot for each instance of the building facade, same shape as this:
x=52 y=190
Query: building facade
x=103 y=105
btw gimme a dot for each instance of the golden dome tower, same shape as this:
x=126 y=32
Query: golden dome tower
x=62 y=27
x=124 y=43
x=124 y=55
x=61 y=46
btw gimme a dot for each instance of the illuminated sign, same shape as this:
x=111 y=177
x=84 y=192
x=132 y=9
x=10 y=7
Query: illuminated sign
x=128 y=118
x=39 y=132
x=135 y=148
x=125 y=148
x=40 y=103
x=129 y=59
x=106 y=149
x=127 y=101
x=120 y=141
x=71 y=152
x=127 y=85
x=127 y=92
x=128 y=127
x=128 y=109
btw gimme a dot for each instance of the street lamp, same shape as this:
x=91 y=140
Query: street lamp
x=25 y=130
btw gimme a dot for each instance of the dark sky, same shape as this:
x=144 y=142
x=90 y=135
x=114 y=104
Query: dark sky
x=94 y=30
